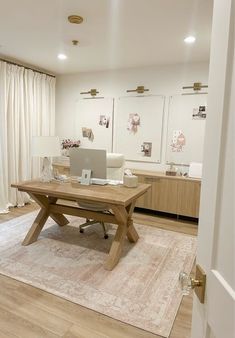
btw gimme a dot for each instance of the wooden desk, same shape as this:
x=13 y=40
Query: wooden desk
x=119 y=200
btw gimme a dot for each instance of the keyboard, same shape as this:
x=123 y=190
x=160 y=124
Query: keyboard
x=114 y=182
x=99 y=181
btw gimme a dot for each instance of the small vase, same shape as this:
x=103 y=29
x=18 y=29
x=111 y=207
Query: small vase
x=65 y=152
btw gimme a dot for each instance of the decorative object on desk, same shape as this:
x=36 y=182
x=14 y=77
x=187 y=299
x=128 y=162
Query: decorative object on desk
x=104 y=121
x=133 y=122
x=61 y=178
x=130 y=180
x=66 y=144
x=86 y=177
x=199 y=113
x=46 y=147
x=142 y=290
x=178 y=141
x=146 y=149
x=87 y=132
x=172 y=171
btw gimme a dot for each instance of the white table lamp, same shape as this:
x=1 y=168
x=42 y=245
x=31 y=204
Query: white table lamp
x=46 y=146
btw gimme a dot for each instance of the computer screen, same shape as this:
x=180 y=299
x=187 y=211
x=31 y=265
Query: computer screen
x=92 y=159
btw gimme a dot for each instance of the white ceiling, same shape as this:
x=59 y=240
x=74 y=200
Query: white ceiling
x=115 y=33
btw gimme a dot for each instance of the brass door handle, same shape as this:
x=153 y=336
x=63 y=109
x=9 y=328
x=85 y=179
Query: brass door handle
x=198 y=284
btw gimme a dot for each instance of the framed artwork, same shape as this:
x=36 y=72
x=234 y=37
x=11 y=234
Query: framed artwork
x=186 y=128
x=138 y=127
x=94 y=123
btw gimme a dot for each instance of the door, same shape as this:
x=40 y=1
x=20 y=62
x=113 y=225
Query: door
x=216 y=247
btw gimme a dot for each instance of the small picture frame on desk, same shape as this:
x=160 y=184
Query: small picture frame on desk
x=86 y=177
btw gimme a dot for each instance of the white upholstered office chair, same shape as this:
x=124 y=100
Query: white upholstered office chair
x=115 y=166
x=115 y=171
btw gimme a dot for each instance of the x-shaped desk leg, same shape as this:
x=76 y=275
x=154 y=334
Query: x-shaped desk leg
x=123 y=216
x=42 y=217
x=125 y=228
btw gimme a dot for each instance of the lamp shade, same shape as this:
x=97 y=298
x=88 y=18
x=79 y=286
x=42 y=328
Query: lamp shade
x=46 y=146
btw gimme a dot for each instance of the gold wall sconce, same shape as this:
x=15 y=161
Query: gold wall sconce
x=196 y=86
x=75 y=42
x=92 y=92
x=139 y=90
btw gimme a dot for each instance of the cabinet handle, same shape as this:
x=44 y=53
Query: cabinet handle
x=148 y=179
x=151 y=179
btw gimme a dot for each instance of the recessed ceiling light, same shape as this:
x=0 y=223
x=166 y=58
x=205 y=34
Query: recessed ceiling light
x=62 y=56
x=190 y=39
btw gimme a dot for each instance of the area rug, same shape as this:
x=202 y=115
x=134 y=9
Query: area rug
x=142 y=290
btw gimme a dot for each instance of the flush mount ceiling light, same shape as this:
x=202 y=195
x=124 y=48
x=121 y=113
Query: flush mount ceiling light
x=61 y=56
x=190 y=39
x=75 y=19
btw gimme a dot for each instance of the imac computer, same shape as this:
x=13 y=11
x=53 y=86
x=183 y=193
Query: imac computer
x=88 y=159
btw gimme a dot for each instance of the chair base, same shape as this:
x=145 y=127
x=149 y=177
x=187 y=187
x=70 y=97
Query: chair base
x=88 y=223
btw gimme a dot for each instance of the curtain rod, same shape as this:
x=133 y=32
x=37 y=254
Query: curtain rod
x=19 y=65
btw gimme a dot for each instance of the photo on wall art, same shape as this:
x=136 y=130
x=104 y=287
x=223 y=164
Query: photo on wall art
x=178 y=141
x=146 y=149
x=199 y=113
x=104 y=121
x=133 y=122
x=87 y=132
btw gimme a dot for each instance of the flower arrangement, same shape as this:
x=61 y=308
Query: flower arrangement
x=67 y=144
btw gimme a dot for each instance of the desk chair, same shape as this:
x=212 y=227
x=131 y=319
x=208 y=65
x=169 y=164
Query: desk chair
x=115 y=171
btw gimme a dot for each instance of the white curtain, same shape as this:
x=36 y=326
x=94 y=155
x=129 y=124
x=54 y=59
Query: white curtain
x=27 y=108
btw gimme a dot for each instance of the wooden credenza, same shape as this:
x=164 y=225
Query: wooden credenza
x=170 y=194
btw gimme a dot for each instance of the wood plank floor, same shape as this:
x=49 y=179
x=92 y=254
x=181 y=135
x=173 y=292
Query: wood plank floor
x=28 y=312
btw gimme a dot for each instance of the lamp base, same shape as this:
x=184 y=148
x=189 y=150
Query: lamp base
x=46 y=174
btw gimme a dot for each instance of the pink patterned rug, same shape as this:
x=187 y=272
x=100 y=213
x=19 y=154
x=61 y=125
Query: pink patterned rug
x=142 y=290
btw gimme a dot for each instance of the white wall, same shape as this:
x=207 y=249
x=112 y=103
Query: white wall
x=162 y=80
